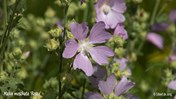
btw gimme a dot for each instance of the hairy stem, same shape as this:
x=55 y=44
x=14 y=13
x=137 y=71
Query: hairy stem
x=61 y=51
x=8 y=29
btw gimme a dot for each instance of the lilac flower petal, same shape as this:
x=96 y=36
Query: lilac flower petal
x=122 y=63
x=92 y=95
x=59 y=24
x=100 y=54
x=82 y=62
x=123 y=86
x=172 y=85
x=106 y=87
x=160 y=26
x=175 y=97
x=99 y=3
x=27 y=54
x=98 y=33
x=172 y=58
x=111 y=18
x=79 y=31
x=114 y=18
x=70 y=49
x=94 y=81
x=118 y=5
x=121 y=31
x=155 y=39
x=131 y=96
x=100 y=72
x=172 y=16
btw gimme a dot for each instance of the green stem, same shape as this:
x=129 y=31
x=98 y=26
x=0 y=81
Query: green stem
x=154 y=11
x=86 y=13
x=162 y=9
x=8 y=29
x=83 y=91
x=61 y=51
x=4 y=13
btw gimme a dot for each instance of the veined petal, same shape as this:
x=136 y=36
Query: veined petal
x=106 y=87
x=98 y=33
x=93 y=95
x=100 y=54
x=79 y=31
x=121 y=31
x=82 y=62
x=100 y=72
x=118 y=5
x=122 y=63
x=99 y=4
x=70 y=49
x=172 y=85
x=123 y=86
x=113 y=18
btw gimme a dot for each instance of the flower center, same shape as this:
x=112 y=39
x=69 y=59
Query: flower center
x=106 y=9
x=83 y=45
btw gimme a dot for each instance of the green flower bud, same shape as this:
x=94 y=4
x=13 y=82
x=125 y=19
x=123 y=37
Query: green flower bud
x=21 y=42
x=33 y=44
x=173 y=64
x=119 y=40
x=10 y=55
x=142 y=15
x=3 y=75
x=52 y=45
x=171 y=28
x=69 y=35
x=55 y=32
x=52 y=82
x=144 y=86
x=58 y=2
x=40 y=22
x=120 y=52
x=17 y=52
x=22 y=73
x=50 y=12
x=72 y=9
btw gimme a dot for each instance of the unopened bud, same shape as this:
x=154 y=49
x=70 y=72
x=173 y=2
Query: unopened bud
x=55 y=32
x=17 y=52
x=52 y=44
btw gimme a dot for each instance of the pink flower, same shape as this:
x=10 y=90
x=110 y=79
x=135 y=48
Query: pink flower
x=172 y=85
x=109 y=86
x=121 y=31
x=155 y=39
x=110 y=12
x=86 y=45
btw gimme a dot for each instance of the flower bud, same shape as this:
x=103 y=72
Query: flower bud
x=69 y=35
x=3 y=75
x=120 y=52
x=17 y=52
x=55 y=32
x=52 y=45
x=50 y=12
x=142 y=15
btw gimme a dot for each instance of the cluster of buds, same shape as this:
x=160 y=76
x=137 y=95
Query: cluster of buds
x=53 y=43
